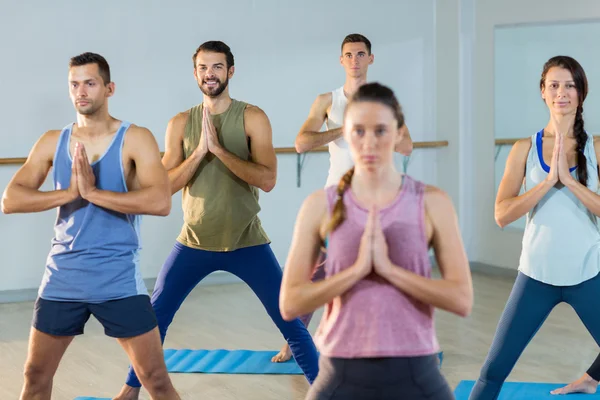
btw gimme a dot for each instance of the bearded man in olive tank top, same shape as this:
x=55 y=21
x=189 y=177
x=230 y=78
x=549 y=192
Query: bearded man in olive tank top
x=220 y=153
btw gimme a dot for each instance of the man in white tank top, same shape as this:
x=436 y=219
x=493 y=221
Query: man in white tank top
x=329 y=108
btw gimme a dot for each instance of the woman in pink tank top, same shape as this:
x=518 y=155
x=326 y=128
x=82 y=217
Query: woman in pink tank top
x=377 y=337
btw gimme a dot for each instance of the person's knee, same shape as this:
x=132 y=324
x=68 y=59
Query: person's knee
x=37 y=375
x=156 y=380
x=494 y=371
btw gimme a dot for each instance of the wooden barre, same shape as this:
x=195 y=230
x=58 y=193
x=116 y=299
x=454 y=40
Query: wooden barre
x=278 y=150
x=505 y=142
x=416 y=145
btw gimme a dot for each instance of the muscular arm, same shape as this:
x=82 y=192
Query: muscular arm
x=454 y=292
x=589 y=199
x=509 y=205
x=22 y=194
x=152 y=196
x=262 y=170
x=299 y=295
x=180 y=170
x=309 y=136
x=405 y=145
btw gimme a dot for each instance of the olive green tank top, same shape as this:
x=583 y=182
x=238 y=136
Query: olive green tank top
x=220 y=210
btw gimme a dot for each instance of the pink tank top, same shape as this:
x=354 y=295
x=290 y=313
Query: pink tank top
x=374 y=318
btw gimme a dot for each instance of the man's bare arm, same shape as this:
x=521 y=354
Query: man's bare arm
x=153 y=197
x=262 y=170
x=310 y=136
x=405 y=145
x=180 y=169
x=22 y=194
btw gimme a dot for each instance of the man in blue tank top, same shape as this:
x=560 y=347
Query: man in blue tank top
x=106 y=173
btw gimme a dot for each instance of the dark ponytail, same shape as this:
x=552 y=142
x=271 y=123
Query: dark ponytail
x=581 y=138
x=339 y=211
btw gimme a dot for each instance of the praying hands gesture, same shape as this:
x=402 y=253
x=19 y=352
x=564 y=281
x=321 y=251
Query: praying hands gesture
x=209 y=132
x=559 y=166
x=83 y=180
x=373 y=251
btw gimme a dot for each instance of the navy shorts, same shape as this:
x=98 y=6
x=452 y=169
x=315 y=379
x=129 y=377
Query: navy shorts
x=122 y=318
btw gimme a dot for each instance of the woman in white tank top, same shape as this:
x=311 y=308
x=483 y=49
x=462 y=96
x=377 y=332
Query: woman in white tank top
x=560 y=259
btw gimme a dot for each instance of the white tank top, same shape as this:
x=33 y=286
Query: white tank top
x=340 y=160
x=561 y=242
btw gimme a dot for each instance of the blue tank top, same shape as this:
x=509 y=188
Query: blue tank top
x=561 y=242
x=94 y=255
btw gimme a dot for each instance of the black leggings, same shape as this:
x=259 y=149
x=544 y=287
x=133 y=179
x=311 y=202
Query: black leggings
x=407 y=378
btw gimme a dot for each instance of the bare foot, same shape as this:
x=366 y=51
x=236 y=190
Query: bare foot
x=128 y=393
x=284 y=355
x=585 y=384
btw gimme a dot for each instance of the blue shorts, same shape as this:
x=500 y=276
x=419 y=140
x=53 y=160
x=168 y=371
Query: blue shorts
x=122 y=318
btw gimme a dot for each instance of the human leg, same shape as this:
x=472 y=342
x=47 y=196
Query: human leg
x=53 y=327
x=318 y=274
x=258 y=267
x=585 y=301
x=183 y=270
x=527 y=308
x=146 y=355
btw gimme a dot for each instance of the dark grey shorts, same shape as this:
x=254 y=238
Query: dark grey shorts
x=407 y=378
x=122 y=318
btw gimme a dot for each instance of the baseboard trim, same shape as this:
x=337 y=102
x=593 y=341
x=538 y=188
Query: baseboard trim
x=27 y=295
x=493 y=270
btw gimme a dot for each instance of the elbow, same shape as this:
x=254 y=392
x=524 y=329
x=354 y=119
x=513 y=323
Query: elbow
x=165 y=208
x=407 y=149
x=464 y=308
x=286 y=308
x=300 y=147
x=269 y=183
x=7 y=206
x=500 y=220
x=500 y=216
x=163 y=204
x=464 y=305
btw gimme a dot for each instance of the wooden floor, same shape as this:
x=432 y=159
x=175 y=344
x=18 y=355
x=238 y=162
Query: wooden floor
x=230 y=316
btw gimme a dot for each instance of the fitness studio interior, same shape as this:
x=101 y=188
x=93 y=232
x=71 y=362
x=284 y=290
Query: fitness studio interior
x=268 y=200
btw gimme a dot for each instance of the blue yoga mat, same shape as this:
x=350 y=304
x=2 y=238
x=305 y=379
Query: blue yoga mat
x=92 y=398
x=228 y=362
x=231 y=362
x=522 y=391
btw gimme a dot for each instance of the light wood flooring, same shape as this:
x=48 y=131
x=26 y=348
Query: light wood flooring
x=230 y=316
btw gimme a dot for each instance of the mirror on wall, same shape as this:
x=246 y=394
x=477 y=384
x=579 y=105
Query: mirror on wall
x=520 y=52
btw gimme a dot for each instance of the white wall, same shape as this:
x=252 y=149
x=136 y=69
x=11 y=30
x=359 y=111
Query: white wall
x=491 y=244
x=286 y=53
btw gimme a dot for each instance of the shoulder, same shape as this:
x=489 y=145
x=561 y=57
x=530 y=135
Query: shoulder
x=254 y=112
x=176 y=125
x=47 y=142
x=597 y=146
x=437 y=201
x=139 y=139
x=520 y=150
x=137 y=132
x=435 y=195
x=314 y=207
x=324 y=101
x=523 y=144
x=50 y=136
x=180 y=119
x=255 y=120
